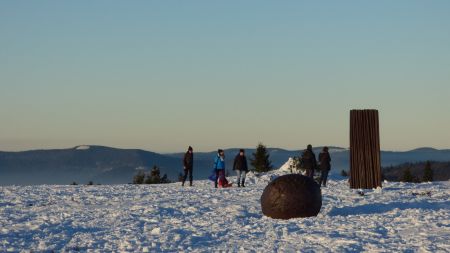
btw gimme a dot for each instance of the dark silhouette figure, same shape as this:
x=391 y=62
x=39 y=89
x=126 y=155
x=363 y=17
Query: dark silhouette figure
x=308 y=161
x=324 y=166
x=188 y=165
x=241 y=167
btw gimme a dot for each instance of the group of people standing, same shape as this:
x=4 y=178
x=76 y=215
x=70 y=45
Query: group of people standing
x=307 y=161
x=240 y=166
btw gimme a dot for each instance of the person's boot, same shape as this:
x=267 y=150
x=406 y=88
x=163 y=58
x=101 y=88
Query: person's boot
x=182 y=184
x=243 y=182
x=215 y=184
x=239 y=184
x=190 y=183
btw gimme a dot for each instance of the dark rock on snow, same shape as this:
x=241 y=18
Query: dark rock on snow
x=291 y=196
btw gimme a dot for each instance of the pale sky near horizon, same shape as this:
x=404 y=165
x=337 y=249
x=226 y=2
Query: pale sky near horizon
x=162 y=75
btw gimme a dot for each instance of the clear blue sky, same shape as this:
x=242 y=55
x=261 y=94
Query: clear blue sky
x=162 y=75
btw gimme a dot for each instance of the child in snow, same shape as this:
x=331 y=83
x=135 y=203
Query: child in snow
x=219 y=168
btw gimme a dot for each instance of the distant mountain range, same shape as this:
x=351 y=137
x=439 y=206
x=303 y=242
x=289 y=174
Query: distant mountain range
x=107 y=165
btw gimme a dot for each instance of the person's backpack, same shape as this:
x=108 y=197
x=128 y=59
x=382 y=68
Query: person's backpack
x=213 y=176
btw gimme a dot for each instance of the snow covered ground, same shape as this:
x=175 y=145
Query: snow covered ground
x=168 y=218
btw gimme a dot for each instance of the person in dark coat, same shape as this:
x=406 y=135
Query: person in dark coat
x=188 y=165
x=241 y=167
x=324 y=165
x=308 y=161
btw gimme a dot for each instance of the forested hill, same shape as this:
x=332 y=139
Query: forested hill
x=441 y=170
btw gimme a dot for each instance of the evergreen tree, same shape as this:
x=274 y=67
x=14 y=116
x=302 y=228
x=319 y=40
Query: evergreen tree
x=428 y=173
x=90 y=183
x=139 y=177
x=407 y=176
x=344 y=173
x=260 y=161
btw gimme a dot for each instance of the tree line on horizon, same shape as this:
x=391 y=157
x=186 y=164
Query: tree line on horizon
x=408 y=172
x=410 y=178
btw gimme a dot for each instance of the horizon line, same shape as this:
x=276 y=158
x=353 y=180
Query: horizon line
x=210 y=151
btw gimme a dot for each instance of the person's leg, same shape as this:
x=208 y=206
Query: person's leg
x=244 y=174
x=185 y=176
x=190 y=176
x=221 y=176
x=217 y=178
x=238 y=175
x=325 y=178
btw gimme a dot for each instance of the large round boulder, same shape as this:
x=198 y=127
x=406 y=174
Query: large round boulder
x=291 y=196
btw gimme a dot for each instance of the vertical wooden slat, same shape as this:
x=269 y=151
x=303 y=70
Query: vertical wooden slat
x=365 y=165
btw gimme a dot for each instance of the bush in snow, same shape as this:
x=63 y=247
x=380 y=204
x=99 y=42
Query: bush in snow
x=295 y=166
x=153 y=177
x=139 y=177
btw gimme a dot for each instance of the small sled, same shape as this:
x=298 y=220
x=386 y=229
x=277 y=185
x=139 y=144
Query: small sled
x=226 y=185
x=223 y=182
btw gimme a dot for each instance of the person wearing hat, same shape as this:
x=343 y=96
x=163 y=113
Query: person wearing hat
x=308 y=161
x=219 y=166
x=241 y=167
x=188 y=165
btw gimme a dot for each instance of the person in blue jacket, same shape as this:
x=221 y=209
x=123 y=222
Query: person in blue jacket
x=219 y=166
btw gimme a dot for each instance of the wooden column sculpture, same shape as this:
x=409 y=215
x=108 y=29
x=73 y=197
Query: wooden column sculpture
x=365 y=165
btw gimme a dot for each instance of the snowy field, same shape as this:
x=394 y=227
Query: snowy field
x=168 y=218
